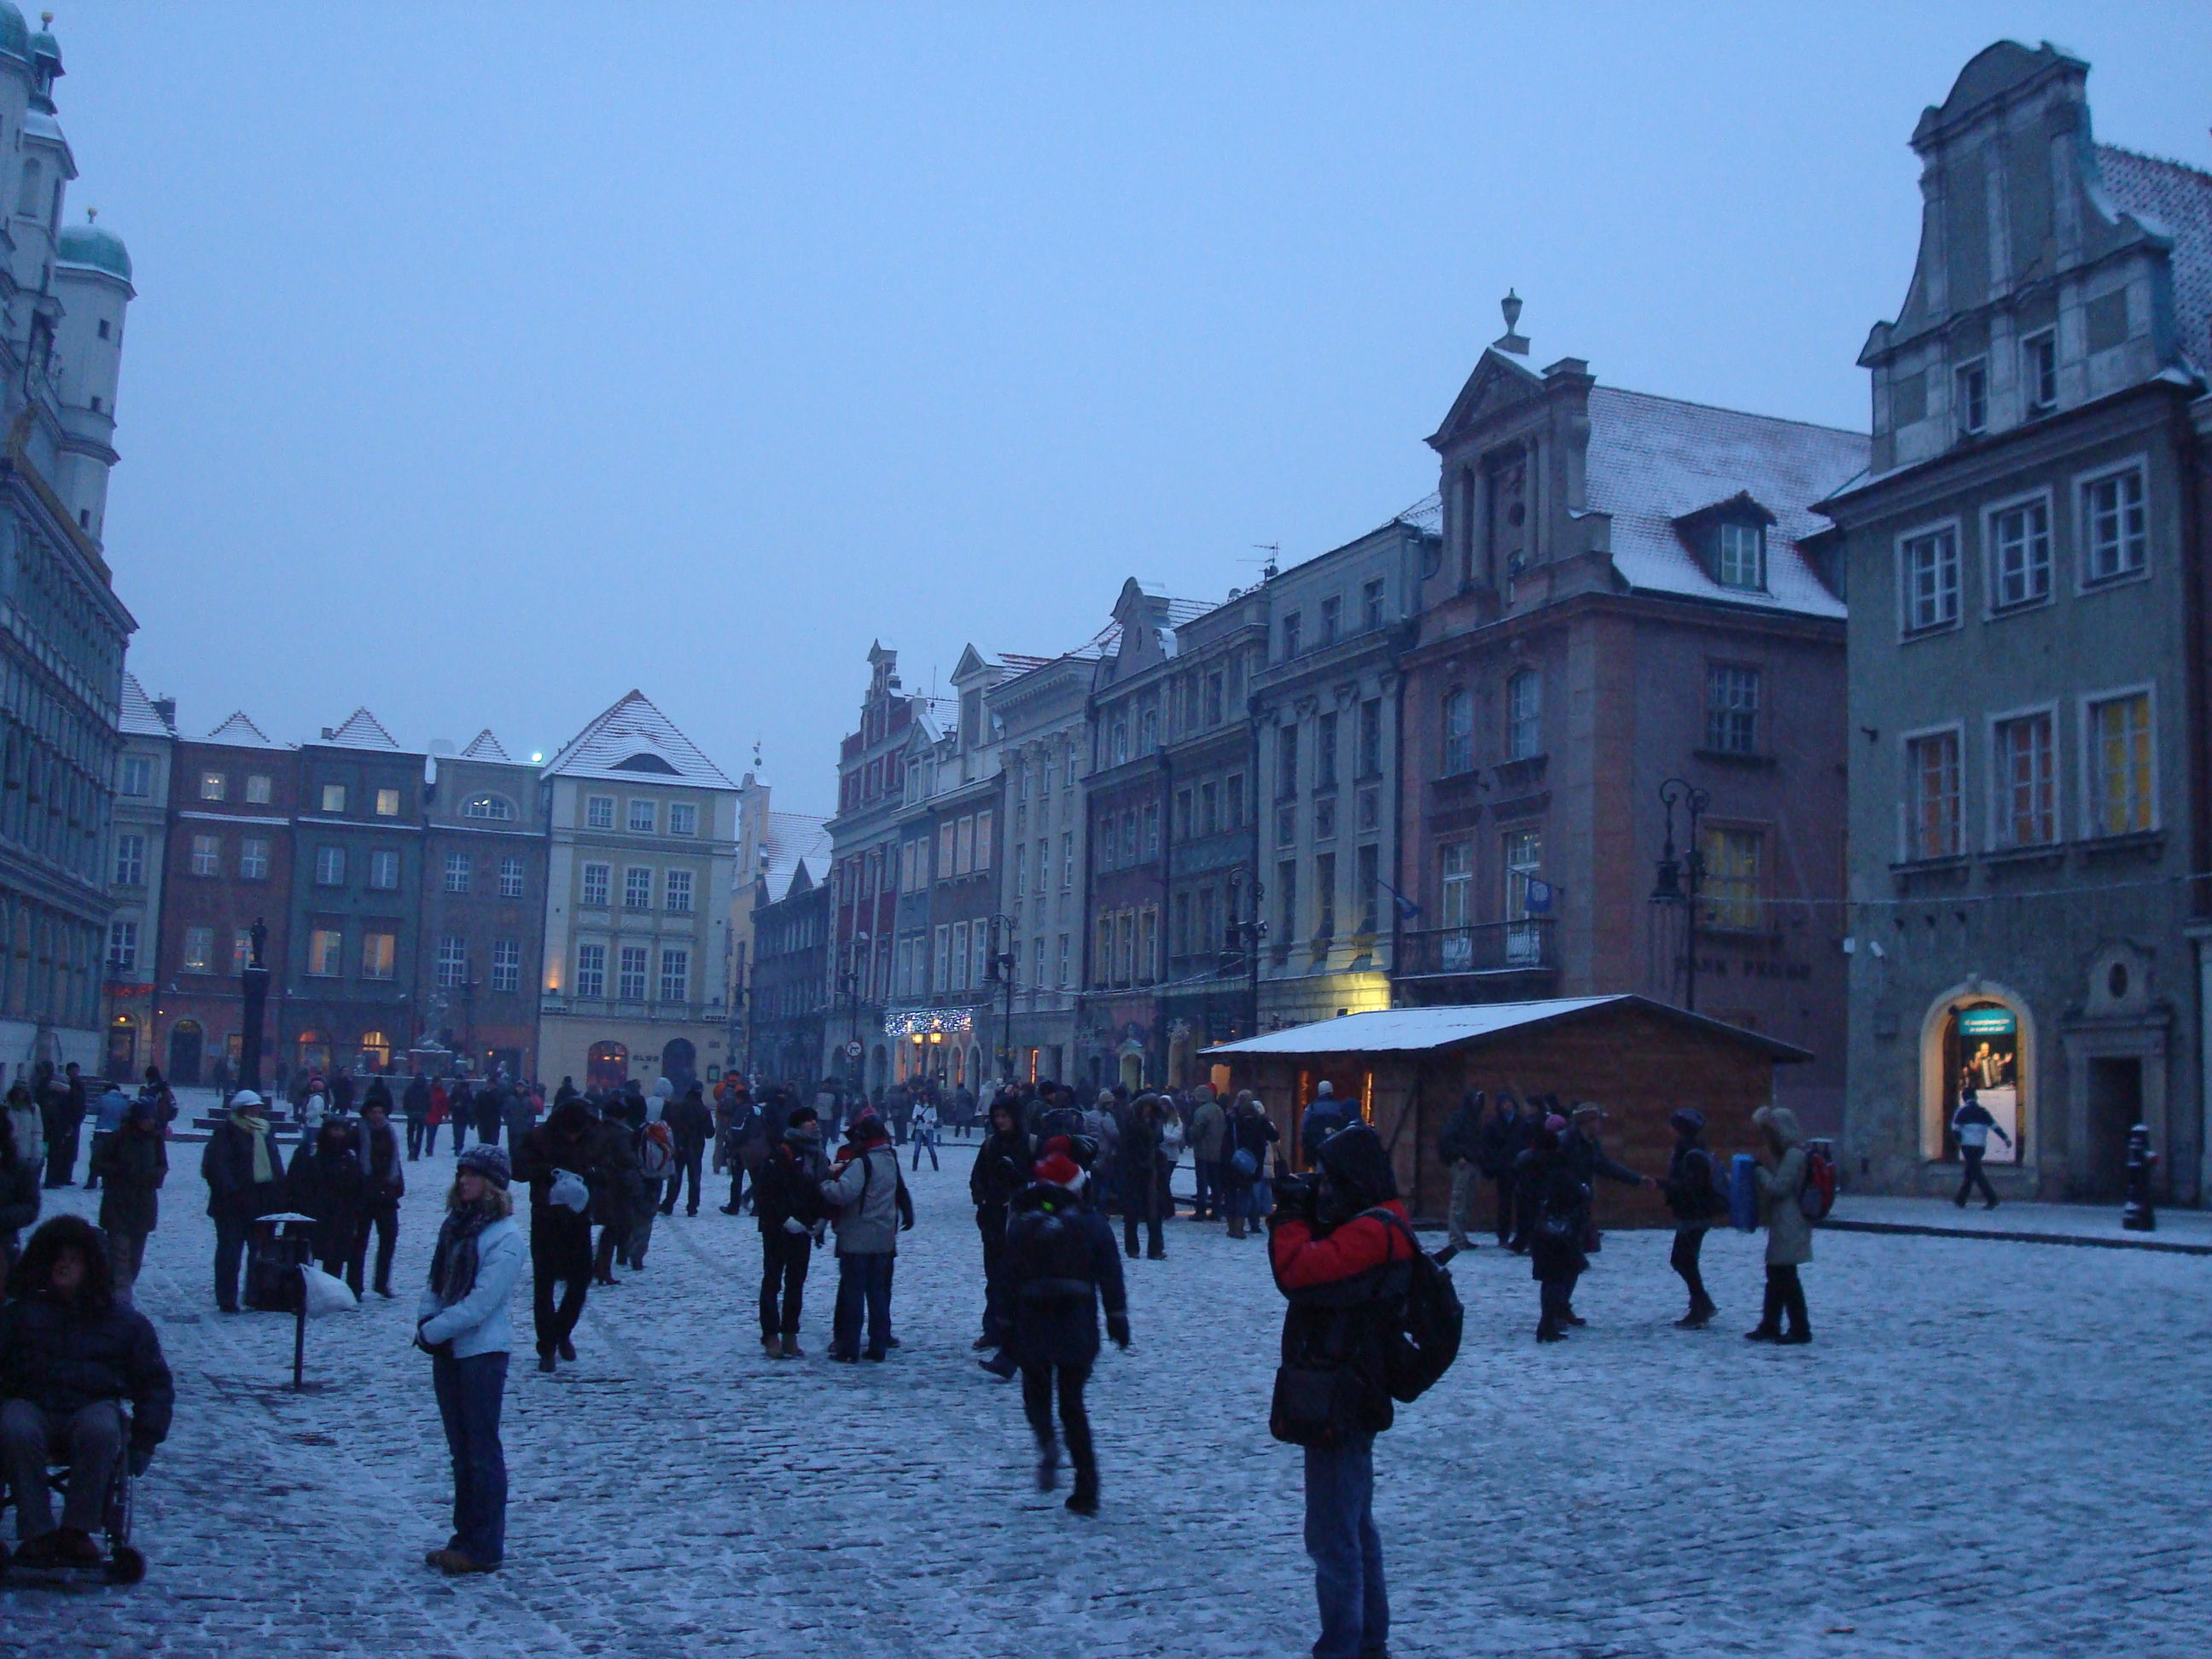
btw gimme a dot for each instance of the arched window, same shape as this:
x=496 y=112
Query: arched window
x=1525 y=716
x=495 y=807
x=1459 y=732
x=33 y=186
x=376 y=1049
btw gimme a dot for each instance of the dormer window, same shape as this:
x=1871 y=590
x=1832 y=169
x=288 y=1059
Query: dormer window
x=1970 y=397
x=1728 y=539
x=1739 y=555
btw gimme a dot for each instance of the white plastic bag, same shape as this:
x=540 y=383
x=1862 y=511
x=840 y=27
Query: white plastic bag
x=325 y=1294
x=568 y=1189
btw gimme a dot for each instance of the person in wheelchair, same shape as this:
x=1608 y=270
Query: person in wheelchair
x=72 y=1356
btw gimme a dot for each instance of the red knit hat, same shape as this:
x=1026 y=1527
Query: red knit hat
x=1060 y=1170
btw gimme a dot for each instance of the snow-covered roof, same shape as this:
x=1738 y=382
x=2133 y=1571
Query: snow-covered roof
x=138 y=717
x=792 y=839
x=239 y=733
x=1653 y=460
x=2175 y=201
x=485 y=747
x=635 y=742
x=1402 y=1030
x=362 y=729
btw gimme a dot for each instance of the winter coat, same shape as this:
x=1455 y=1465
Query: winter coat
x=416 y=1102
x=19 y=1201
x=1788 y=1233
x=226 y=1166
x=131 y=1167
x=480 y=1322
x=870 y=1201
x=1500 y=1142
x=1252 y=1132
x=1209 y=1126
x=1060 y=1264
x=384 y=1174
x=110 y=1110
x=63 y=1356
x=1322 y=1119
x=326 y=1183
x=1140 y=1153
x=789 y=1185
x=1001 y=1169
x=693 y=1122
x=1464 y=1133
x=30 y=1126
x=1688 y=1186
x=1562 y=1207
x=1346 y=1286
x=1588 y=1160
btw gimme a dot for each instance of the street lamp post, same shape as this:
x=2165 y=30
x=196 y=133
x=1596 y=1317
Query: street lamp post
x=1681 y=880
x=253 y=987
x=999 y=970
x=1246 y=937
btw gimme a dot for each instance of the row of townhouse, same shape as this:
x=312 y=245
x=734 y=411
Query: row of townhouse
x=1893 y=746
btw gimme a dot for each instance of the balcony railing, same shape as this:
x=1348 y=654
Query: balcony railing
x=1523 y=946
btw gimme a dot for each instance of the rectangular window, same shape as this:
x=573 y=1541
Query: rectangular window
x=2115 y=532
x=1286 y=905
x=1148 y=947
x=600 y=814
x=1525 y=716
x=1021 y=870
x=1931 y=781
x=1213 y=706
x=505 y=964
x=1370 y=599
x=1062 y=980
x=637 y=888
x=942 y=963
x=1931 y=579
x=253 y=858
x=378 y=953
x=946 y=833
x=1732 y=709
x=258 y=792
x=1232 y=810
x=452 y=961
x=629 y=981
x=1325 y=895
x=131 y=860
x=591 y=970
x=200 y=950
x=1286 y=762
x=1459 y=732
x=324 y=944
x=135 y=776
x=1325 y=818
x=242 y=949
x=510 y=878
x=1151 y=829
x=2120 y=765
x=978 y=946
x=1742 y=557
x=1370 y=809
x=1366 y=875
x=1455 y=865
x=1179 y=943
x=1332 y=609
x=1731 y=884
x=642 y=818
x=334 y=798
x=456 y=872
x=1066 y=860
x=1209 y=808
x=1370 y=737
x=597 y=880
x=1325 y=752
x=959 y=980
x=675 y=975
x=212 y=786
x=1971 y=397
x=1524 y=863
x=384 y=870
x=122 y=947
x=387 y=803
x=206 y=854
x=2039 y=371
x=682 y=820
x=984 y=835
x=2019 y=552
x=1293 y=625
x=676 y=892
x=2027 y=782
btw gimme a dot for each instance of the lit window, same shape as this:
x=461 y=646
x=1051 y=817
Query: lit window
x=677 y=886
x=510 y=878
x=452 y=960
x=387 y=803
x=2019 y=552
x=1741 y=556
x=2120 y=764
x=1732 y=709
x=630 y=986
x=1731 y=883
x=137 y=778
x=596 y=876
x=258 y=788
x=1525 y=716
x=1931 y=580
x=683 y=818
x=591 y=970
x=495 y=807
x=600 y=812
x=1932 y=805
x=505 y=964
x=329 y=867
x=384 y=871
x=131 y=860
x=334 y=798
x=199 y=949
x=2115 y=534
x=211 y=786
x=675 y=975
x=637 y=888
x=253 y=858
x=378 y=953
x=456 y=872
x=2027 y=782
x=242 y=949
x=206 y=854
x=642 y=817
x=324 y=944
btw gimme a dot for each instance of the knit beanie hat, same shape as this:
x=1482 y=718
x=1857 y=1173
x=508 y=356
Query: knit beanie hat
x=1060 y=1170
x=488 y=1161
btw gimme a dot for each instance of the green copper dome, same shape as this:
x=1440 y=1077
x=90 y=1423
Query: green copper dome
x=15 y=33
x=89 y=244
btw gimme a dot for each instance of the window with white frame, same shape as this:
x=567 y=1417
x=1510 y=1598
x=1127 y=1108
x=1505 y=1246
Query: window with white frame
x=682 y=820
x=2019 y=536
x=131 y=860
x=1459 y=732
x=329 y=867
x=2120 y=765
x=637 y=888
x=643 y=815
x=1930 y=564
x=1970 y=407
x=456 y=872
x=676 y=886
x=253 y=858
x=2026 y=770
x=1933 y=821
x=206 y=854
x=1740 y=557
x=942 y=946
x=1455 y=865
x=591 y=970
x=496 y=808
x=213 y=787
x=630 y=981
x=258 y=788
x=1525 y=716
x=135 y=776
x=200 y=950
x=334 y=798
x=380 y=953
x=1732 y=709
x=510 y=878
x=122 y=947
x=384 y=870
x=387 y=803
x=1730 y=887
x=505 y=964
x=598 y=878
x=323 y=945
x=2115 y=527
x=598 y=812
x=675 y=975
x=452 y=961
x=2039 y=371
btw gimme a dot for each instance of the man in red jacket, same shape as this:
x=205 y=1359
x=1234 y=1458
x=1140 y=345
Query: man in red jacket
x=1338 y=1250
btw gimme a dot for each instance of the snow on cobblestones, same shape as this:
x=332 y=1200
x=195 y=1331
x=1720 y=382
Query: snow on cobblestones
x=1991 y=1449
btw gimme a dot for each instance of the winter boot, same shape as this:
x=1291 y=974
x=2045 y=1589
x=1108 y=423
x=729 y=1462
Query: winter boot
x=1547 y=1330
x=774 y=1345
x=1048 y=1464
x=1084 y=1500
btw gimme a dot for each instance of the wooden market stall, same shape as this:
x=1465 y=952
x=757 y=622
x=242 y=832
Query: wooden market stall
x=1408 y=1068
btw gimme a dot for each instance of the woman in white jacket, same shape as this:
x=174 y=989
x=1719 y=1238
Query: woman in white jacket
x=462 y=1323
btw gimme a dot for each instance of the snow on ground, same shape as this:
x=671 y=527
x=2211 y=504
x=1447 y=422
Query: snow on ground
x=1992 y=1449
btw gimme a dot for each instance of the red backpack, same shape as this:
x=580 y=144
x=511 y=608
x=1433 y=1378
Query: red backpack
x=1818 y=1195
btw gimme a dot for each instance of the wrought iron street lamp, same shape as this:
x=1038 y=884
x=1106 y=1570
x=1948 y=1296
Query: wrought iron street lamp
x=1681 y=879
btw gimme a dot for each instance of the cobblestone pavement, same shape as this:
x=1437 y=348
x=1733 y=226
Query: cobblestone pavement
x=1992 y=1449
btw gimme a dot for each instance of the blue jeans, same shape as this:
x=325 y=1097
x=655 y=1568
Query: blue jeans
x=1346 y=1550
x=469 y=1392
x=863 y=1281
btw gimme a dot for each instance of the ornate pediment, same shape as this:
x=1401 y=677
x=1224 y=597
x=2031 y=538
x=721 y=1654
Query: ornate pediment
x=1499 y=381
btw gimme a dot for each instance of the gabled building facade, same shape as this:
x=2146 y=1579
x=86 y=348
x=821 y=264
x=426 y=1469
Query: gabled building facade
x=863 y=881
x=137 y=846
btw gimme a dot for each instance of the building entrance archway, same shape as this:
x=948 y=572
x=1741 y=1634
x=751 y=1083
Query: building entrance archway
x=607 y=1066
x=1978 y=1037
x=185 y=1040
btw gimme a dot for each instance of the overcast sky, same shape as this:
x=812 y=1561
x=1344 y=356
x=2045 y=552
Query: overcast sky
x=491 y=360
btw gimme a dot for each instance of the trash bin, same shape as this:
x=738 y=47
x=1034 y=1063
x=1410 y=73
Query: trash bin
x=276 y=1249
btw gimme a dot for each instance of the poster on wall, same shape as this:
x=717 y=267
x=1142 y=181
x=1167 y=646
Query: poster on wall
x=1989 y=1051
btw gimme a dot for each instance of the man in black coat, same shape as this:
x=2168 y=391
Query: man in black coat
x=570 y=1140
x=1460 y=1146
x=1000 y=1171
x=693 y=1124
x=787 y=1198
x=61 y=1107
x=71 y=1354
x=1502 y=1138
x=383 y=1184
x=326 y=1183
x=1588 y=1159
x=245 y=1177
x=416 y=1103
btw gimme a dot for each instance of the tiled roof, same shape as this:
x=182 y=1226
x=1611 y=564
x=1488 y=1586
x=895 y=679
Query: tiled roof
x=792 y=839
x=633 y=742
x=1427 y=514
x=362 y=729
x=1653 y=460
x=485 y=747
x=139 y=718
x=2175 y=201
x=239 y=733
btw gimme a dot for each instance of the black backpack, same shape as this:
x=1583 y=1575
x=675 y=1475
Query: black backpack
x=1050 y=1250
x=1431 y=1321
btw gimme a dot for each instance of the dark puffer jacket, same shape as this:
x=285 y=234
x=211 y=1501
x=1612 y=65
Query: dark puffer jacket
x=131 y=1167
x=1060 y=1265
x=789 y=1183
x=63 y=1356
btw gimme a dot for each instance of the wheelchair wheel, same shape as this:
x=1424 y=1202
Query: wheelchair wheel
x=126 y=1567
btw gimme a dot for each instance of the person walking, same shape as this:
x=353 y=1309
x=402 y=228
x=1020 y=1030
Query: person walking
x=740 y=1122
x=1460 y=1146
x=655 y=1145
x=1209 y=1128
x=62 y=1109
x=1973 y=1126
x=1587 y=1155
x=156 y=1089
x=1335 y=1248
x=1558 y=1201
x=616 y=1188
x=557 y=1159
x=1779 y=1176
x=693 y=1124
x=415 y=1105
x=1001 y=1169
x=108 y=1113
x=245 y=1178
x=132 y=1164
x=787 y=1200
x=383 y=1184
x=921 y=1130
x=1061 y=1266
x=869 y=1200
x=462 y=1323
x=1696 y=1200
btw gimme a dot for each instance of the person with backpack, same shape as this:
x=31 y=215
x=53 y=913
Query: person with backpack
x=787 y=1198
x=1693 y=1193
x=1780 y=1177
x=869 y=1198
x=1245 y=1171
x=1061 y=1266
x=740 y=1121
x=656 y=1164
x=1001 y=1171
x=1342 y=1248
x=1460 y=1146
x=1972 y=1125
